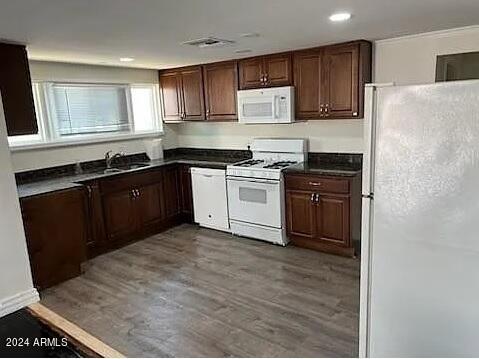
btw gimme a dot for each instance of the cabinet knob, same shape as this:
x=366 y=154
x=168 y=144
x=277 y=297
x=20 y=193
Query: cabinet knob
x=312 y=197
x=317 y=198
x=355 y=113
x=315 y=184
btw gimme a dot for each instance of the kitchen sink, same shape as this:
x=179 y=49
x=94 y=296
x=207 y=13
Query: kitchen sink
x=122 y=168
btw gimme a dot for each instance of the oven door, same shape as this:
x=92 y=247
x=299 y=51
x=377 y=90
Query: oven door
x=255 y=201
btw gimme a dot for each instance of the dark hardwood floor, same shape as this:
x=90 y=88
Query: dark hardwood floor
x=192 y=292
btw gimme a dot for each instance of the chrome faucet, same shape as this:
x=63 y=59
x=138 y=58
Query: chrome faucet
x=109 y=158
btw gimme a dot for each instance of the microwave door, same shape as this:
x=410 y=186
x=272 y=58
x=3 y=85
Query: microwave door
x=258 y=109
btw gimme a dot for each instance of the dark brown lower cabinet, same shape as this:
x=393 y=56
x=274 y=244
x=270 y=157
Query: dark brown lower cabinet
x=323 y=213
x=55 y=228
x=132 y=206
x=64 y=228
x=120 y=214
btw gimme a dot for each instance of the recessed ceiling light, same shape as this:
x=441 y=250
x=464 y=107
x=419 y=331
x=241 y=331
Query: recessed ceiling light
x=249 y=34
x=244 y=51
x=340 y=16
x=127 y=59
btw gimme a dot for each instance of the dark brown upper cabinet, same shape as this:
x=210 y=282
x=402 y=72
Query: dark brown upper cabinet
x=171 y=98
x=341 y=81
x=329 y=83
x=266 y=71
x=221 y=86
x=16 y=91
x=182 y=94
x=307 y=82
x=330 y=80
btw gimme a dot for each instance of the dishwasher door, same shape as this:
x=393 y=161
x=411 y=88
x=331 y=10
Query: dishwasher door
x=209 y=198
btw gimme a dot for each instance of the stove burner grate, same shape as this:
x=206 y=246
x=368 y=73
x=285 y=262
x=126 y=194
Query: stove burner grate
x=280 y=164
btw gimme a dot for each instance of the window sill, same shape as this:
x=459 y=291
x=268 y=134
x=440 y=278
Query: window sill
x=85 y=141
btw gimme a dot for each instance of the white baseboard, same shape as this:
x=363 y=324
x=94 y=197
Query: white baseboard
x=18 y=301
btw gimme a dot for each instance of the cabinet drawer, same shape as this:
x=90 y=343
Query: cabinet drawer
x=318 y=184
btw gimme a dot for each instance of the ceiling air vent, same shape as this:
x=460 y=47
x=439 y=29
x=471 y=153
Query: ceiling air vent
x=208 y=42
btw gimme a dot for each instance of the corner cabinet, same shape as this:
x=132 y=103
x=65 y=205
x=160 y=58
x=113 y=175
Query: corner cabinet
x=266 y=71
x=330 y=80
x=16 y=90
x=182 y=97
x=221 y=86
x=323 y=213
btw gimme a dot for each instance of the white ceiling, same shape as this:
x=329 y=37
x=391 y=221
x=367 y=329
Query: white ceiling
x=102 y=31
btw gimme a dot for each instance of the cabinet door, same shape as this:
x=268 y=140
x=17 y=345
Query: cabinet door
x=170 y=196
x=300 y=214
x=16 y=91
x=192 y=92
x=251 y=73
x=55 y=229
x=341 y=81
x=171 y=96
x=221 y=85
x=148 y=205
x=186 y=194
x=278 y=70
x=332 y=220
x=96 y=232
x=307 y=82
x=120 y=214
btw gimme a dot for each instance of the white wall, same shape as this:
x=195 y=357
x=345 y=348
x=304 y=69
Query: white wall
x=53 y=71
x=16 y=287
x=412 y=59
x=324 y=135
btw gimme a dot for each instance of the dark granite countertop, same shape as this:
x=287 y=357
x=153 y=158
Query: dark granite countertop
x=73 y=181
x=32 y=183
x=324 y=169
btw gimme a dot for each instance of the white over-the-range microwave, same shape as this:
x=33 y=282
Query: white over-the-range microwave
x=268 y=105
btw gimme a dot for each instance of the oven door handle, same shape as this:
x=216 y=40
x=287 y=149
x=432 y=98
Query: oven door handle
x=252 y=180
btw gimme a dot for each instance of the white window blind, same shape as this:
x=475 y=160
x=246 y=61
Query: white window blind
x=89 y=109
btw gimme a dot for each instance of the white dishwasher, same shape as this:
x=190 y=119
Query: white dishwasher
x=210 y=198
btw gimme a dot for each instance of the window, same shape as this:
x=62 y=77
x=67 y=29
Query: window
x=88 y=112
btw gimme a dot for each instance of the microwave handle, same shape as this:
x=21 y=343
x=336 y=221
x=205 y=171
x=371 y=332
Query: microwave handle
x=276 y=106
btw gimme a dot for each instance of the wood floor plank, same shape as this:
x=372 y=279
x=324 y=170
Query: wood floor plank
x=191 y=291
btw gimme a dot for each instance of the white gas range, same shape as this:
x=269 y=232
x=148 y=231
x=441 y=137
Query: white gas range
x=256 y=189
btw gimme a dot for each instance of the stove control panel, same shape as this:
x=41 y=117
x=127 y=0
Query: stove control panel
x=256 y=173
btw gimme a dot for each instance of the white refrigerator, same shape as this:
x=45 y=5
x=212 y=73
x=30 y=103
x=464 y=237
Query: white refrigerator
x=420 y=229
